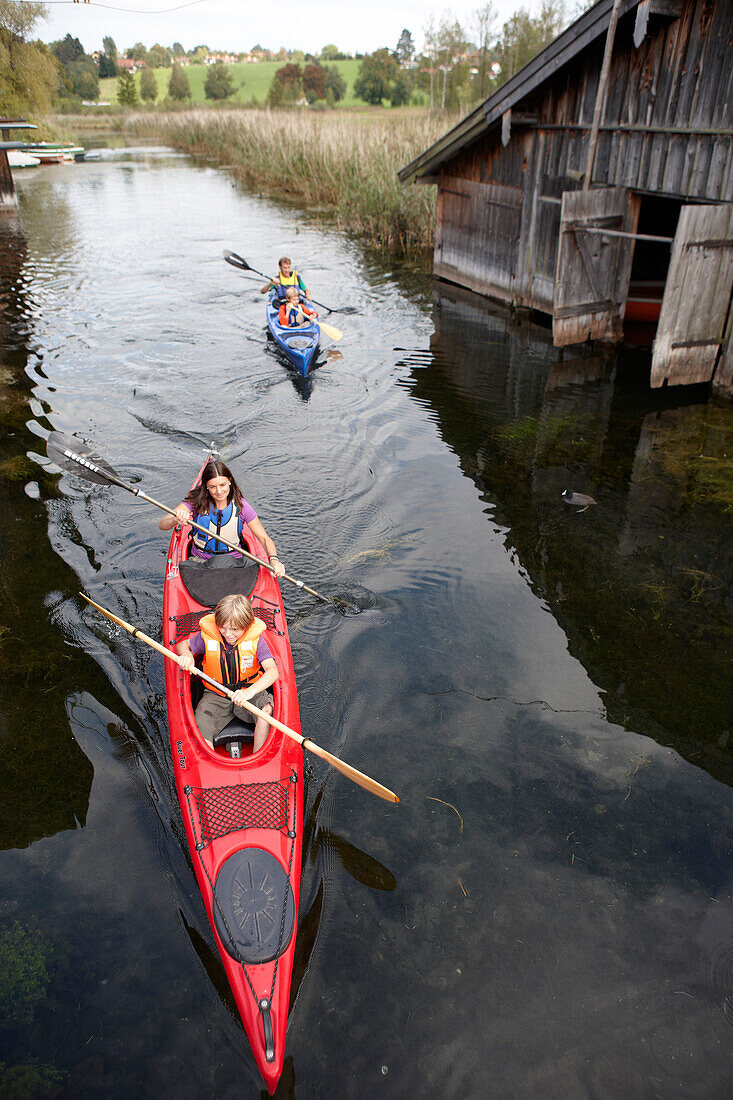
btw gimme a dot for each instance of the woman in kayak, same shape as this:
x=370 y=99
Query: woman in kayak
x=236 y=655
x=293 y=312
x=217 y=504
x=286 y=277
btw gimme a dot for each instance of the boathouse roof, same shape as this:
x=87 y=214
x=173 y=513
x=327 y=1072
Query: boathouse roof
x=592 y=25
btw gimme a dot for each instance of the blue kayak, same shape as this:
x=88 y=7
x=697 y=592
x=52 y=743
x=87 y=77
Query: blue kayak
x=299 y=345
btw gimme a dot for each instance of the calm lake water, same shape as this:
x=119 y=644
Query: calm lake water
x=548 y=910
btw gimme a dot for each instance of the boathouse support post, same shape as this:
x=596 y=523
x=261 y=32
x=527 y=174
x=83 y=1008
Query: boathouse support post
x=8 y=198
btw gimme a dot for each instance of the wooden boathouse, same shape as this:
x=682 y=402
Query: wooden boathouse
x=598 y=182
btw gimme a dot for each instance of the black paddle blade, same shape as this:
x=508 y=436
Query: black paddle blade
x=236 y=261
x=72 y=454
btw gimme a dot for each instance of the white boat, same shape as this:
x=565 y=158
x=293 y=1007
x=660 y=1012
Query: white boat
x=18 y=159
x=53 y=152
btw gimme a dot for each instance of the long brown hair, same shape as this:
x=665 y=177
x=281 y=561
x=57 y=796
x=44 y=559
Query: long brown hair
x=200 y=499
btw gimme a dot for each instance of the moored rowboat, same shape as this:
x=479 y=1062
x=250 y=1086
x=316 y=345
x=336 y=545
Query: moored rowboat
x=52 y=152
x=299 y=345
x=243 y=815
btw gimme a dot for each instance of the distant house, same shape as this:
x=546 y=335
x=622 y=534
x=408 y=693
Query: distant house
x=221 y=59
x=129 y=64
x=578 y=180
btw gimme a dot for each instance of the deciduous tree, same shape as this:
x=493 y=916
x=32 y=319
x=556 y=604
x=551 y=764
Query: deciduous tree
x=335 y=83
x=28 y=72
x=218 y=83
x=148 y=86
x=376 y=73
x=286 y=87
x=314 y=82
x=178 y=86
x=401 y=89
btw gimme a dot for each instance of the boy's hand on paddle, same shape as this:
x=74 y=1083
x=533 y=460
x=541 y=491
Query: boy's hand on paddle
x=242 y=696
x=186 y=662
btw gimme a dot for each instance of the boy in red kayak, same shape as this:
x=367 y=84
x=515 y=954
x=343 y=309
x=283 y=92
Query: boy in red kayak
x=293 y=312
x=235 y=654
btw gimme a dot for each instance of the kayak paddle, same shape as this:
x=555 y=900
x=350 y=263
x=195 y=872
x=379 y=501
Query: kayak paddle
x=240 y=262
x=73 y=455
x=358 y=777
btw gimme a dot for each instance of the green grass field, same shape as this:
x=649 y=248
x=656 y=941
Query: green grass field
x=251 y=81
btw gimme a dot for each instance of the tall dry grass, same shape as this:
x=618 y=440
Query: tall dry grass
x=344 y=162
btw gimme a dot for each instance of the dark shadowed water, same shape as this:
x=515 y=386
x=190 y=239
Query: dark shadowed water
x=548 y=910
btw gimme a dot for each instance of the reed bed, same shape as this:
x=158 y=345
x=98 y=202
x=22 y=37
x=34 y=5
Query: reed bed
x=342 y=162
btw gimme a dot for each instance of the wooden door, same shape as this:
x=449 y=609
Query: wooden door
x=477 y=235
x=696 y=298
x=593 y=268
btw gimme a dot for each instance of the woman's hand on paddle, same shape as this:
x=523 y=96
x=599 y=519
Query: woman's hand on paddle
x=277 y=566
x=182 y=516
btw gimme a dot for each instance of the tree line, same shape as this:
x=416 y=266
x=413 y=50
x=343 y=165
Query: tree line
x=461 y=65
x=458 y=66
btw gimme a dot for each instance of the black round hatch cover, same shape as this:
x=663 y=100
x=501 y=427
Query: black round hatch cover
x=249 y=896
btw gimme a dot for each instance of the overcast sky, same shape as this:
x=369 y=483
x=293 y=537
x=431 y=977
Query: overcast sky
x=241 y=24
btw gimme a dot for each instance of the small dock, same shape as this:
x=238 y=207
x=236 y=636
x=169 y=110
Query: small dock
x=8 y=198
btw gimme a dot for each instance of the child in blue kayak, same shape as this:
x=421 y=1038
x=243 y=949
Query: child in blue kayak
x=293 y=312
x=286 y=277
x=234 y=652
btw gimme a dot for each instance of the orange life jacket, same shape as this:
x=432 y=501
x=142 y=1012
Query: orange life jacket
x=236 y=667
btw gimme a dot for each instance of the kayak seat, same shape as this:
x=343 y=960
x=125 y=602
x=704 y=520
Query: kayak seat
x=235 y=730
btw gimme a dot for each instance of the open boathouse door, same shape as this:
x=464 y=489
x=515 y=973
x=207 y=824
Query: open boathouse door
x=697 y=300
x=597 y=236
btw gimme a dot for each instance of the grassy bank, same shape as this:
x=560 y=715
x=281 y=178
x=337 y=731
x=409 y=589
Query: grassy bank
x=338 y=160
x=251 y=81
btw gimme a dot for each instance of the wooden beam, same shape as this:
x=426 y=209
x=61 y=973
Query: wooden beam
x=600 y=105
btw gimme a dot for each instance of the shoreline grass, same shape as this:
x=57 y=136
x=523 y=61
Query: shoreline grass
x=339 y=161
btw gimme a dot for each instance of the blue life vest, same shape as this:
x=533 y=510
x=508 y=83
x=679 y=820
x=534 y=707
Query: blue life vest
x=226 y=522
x=291 y=312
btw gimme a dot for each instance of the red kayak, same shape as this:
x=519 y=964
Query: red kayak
x=243 y=812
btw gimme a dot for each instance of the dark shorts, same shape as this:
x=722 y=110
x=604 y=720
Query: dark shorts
x=215 y=711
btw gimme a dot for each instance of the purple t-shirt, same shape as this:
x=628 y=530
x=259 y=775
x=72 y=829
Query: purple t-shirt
x=246 y=515
x=198 y=647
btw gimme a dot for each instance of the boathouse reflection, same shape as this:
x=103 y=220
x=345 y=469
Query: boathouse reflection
x=641 y=582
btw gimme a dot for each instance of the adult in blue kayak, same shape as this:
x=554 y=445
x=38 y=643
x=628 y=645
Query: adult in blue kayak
x=216 y=503
x=285 y=277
